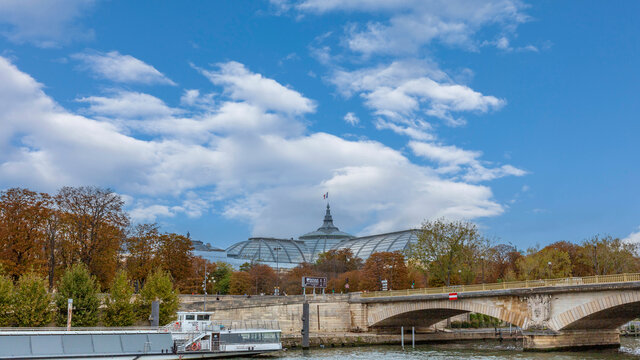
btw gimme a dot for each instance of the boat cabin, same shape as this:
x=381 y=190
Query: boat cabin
x=193 y=321
x=199 y=331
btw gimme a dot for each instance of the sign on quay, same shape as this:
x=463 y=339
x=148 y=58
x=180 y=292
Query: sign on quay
x=314 y=282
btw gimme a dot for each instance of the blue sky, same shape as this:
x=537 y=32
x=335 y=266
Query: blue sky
x=229 y=119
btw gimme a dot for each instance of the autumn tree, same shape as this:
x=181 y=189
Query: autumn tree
x=240 y=283
x=262 y=278
x=78 y=284
x=335 y=262
x=159 y=286
x=52 y=230
x=607 y=255
x=501 y=263
x=94 y=224
x=291 y=282
x=339 y=284
x=141 y=249
x=175 y=255
x=388 y=266
x=579 y=258
x=442 y=246
x=31 y=302
x=417 y=276
x=119 y=309
x=544 y=264
x=23 y=218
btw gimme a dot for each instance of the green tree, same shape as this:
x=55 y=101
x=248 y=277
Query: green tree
x=607 y=255
x=119 y=311
x=32 y=302
x=78 y=284
x=159 y=286
x=222 y=276
x=6 y=301
x=443 y=246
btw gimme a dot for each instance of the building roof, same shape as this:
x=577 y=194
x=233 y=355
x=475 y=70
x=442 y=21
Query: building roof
x=310 y=245
x=363 y=247
x=269 y=250
x=327 y=230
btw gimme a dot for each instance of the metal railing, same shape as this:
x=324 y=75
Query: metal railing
x=572 y=281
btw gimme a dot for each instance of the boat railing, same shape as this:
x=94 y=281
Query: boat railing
x=92 y=329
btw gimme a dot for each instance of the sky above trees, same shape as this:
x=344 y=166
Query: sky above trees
x=231 y=119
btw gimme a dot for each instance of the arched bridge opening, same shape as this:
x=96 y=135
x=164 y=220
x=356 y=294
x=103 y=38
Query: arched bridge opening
x=427 y=313
x=607 y=313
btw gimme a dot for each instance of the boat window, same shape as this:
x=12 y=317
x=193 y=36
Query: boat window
x=203 y=317
x=190 y=317
x=251 y=338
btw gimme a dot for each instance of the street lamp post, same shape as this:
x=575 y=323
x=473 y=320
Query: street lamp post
x=204 y=286
x=277 y=250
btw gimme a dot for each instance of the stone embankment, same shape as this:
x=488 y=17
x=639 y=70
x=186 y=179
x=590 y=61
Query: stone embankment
x=331 y=320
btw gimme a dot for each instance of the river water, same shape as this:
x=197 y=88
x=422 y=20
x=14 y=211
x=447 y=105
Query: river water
x=630 y=349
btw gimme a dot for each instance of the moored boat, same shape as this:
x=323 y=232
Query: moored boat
x=194 y=335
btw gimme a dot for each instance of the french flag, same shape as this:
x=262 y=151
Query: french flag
x=325 y=196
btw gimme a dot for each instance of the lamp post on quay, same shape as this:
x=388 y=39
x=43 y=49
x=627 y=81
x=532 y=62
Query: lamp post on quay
x=277 y=290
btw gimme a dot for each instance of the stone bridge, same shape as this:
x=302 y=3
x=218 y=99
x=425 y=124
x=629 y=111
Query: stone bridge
x=551 y=317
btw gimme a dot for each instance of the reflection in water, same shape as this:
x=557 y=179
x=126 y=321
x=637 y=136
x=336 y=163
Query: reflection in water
x=630 y=349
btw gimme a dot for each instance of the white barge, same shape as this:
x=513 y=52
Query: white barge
x=193 y=336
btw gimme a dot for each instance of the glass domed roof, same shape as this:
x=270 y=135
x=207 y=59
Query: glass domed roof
x=363 y=247
x=269 y=250
x=327 y=230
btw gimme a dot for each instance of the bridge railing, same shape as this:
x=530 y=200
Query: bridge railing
x=572 y=281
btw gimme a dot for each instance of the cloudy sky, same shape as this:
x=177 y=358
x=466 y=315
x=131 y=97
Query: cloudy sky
x=229 y=119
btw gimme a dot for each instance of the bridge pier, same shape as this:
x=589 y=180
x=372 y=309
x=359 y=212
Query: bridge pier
x=571 y=340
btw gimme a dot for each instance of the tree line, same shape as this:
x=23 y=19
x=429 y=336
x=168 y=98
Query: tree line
x=446 y=253
x=43 y=235
x=28 y=303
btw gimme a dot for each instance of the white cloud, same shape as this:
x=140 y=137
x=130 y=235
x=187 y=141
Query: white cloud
x=633 y=238
x=240 y=155
x=121 y=68
x=450 y=155
x=412 y=24
x=150 y=213
x=404 y=90
x=44 y=23
x=455 y=160
x=351 y=119
x=193 y=98
x=416 y=130
x=241 y=84
x=127 y=104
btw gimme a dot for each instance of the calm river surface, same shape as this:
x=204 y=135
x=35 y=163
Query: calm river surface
x=630 y=349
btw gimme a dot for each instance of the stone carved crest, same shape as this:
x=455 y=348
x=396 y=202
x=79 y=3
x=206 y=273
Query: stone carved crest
x=539 y=310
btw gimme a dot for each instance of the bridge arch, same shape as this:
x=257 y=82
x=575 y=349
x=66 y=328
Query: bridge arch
x=429 y=312
x=608 y=312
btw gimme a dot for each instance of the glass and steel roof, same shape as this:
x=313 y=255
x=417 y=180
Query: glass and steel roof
x=317 y=246
x=363 y=247
x=269 y=250
x=327 y=230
